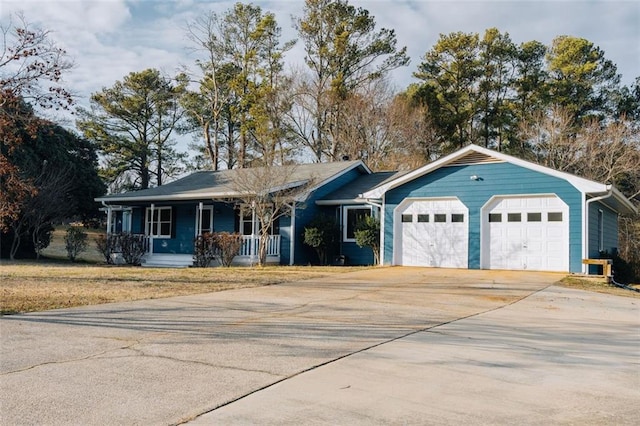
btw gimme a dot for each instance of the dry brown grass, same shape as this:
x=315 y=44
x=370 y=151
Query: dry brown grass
x=598 y=285
x=29 y=286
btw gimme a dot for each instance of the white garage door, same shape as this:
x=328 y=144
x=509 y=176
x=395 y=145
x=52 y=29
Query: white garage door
x=526 y=233
x=432 y=232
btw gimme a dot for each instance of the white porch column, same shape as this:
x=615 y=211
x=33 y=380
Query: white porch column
x=199 y=219
x=292 y=238
x=151 y=229
x=252 y=249
x=109 y=218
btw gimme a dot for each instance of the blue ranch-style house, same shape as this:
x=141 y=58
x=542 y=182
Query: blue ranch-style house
x=475 y=208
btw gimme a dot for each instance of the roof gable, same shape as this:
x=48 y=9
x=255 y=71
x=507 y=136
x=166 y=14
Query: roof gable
x=473 y=154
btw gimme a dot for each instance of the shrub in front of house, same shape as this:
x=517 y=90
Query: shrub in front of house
x=132 y=247
x=106 y=245
x=228 y=246
x=204 y=250
x=75 y=242
x=367 y=234
x=322 y=235
x=223 y=246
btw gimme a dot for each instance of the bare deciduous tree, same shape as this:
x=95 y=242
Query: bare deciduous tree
x=271 y=193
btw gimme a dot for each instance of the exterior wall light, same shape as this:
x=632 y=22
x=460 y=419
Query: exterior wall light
x=475 y=177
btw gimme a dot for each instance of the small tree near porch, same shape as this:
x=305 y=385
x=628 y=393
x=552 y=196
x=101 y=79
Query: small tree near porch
x=271 y=192
x=367 y=234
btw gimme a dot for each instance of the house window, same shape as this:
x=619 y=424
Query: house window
x=126 y=221
x=423 y=218
x=206 y=219
x=351 y=217
x=600 y=230
x=407 y=218
x=160 y=224
x=246 y=226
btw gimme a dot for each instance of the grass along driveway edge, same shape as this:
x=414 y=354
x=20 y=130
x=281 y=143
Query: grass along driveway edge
x=31 y=287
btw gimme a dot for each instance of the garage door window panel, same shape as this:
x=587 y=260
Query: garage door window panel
x=554 y=216
x=457 y=218
x=534 y=217
x=440 y=218
x=514 y=217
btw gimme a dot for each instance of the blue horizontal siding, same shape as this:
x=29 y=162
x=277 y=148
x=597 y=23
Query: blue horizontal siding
x=309 y=210
x=495 y=179
x=610 y=228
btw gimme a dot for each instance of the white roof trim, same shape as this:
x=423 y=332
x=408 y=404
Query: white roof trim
x=339 y=202
x=175 y=197
x=583 y=185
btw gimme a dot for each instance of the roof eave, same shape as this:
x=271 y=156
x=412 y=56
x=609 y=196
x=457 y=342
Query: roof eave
x=174 y=197
x=341 y=202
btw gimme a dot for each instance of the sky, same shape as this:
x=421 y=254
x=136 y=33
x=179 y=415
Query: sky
x=108 y=39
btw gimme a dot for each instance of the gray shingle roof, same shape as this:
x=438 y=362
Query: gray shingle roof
x=364 y=183
x=221 y=184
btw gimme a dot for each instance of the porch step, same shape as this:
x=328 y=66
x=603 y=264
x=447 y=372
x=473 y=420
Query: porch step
x=167 y=260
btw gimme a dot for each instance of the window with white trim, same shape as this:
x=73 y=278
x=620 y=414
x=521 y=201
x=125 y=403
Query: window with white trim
x=246 y=225
x=206 y=219
x=160 y=225
x=351 y=216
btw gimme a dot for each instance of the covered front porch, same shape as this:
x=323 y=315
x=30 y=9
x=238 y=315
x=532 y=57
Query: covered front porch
x=169 y=230
x=247 y=256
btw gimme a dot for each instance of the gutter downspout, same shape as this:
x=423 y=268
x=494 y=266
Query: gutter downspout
x=585 y=268
x=292 y=238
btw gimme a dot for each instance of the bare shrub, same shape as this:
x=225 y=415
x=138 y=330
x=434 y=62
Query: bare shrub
x=132 y=247
x=75 y=242
x=228 y=245
x=205 y=249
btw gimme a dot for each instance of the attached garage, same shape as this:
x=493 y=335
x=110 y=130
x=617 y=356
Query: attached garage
x=522 y=232
x=481 y=209
x=432 y=232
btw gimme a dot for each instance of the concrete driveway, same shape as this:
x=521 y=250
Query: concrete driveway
x=388 y=345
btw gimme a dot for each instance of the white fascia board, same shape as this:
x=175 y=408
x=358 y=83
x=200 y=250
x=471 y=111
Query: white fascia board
x=340 y=202
x=624 y=201
x=378 y=192
x=583 y=185
x=173 y=197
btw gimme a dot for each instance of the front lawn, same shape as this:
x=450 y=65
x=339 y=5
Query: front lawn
x=31 y=286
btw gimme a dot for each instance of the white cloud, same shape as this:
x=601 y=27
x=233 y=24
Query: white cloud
x=110 y=38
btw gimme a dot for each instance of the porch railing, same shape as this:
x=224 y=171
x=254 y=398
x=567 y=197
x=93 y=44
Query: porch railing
x=273 y=245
